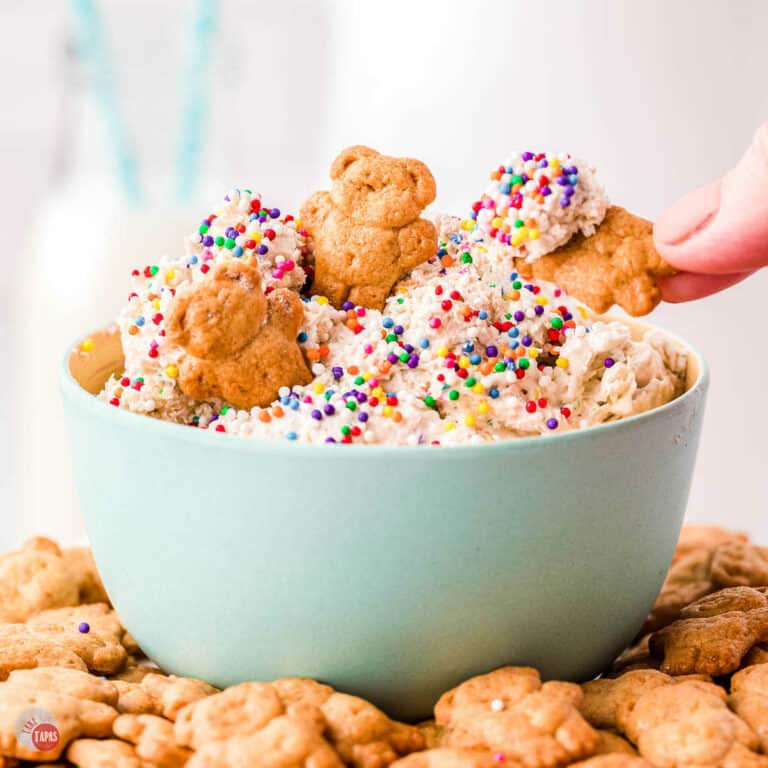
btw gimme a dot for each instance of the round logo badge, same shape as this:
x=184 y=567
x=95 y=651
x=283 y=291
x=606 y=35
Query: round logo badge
x=37 y=730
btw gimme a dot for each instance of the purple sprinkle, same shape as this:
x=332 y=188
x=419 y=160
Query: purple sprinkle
x=329 y=409
x=545 y=190
x=84 y=627
x=398 y=329
x=563 y=181
x=213 y=418
x=362 y=416
x=316 y=414
x=526 y=341
x=392 y=358
x=567 y=316
x=524 y=178
x=527 y=156
x=543 y=163
x=408 y=348
x=538 y=309
x=337 y=372
x=329 y=440
x=413 y=361
x=608 y=362
x=262 y=249
x=347 y=305
x=207 y=241
x=552 y=423
x=274 y=213
x=528 y=287
x=564 y=202
x=492 y=351
x=231 y=232
x=519 y=316
x=361 y=397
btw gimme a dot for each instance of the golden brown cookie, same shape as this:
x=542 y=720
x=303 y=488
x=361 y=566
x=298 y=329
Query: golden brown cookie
x=445 y=757
x=758 y=654
x=153 y=740
x=283 y=743
x=739 y=563
x=613 y=760
x=689 y=724
x=103 y=753
x=637 y=656
x=102 y=621
x=611 y=743
x=238 y=343
x=366 y=232
x=80 y=562
x=719 y=632
x=749 y=700
x=509 y=711
x=617 y=265
x=602 y=697
x=432 y=733
x=22 y=708
x=707 y=537
x=34 y=578
x=158 y=694
x=69 y=682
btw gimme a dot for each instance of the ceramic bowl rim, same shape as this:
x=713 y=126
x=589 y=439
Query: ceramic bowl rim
x=99 y=410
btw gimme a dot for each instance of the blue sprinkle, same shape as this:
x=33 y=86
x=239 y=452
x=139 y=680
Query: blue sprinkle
x=294 y=405
x=291 y=435
x=493 y=392
x=514 y=345
x=483 y=315
x=424 y=343
x=193 y=260
x=475 y=359
x=387 y=322
x=140 y=321
x=237 y=251
x=284 y=400
x=513 y=276
x=469 y=347
x=513 y=333
x=505 y=189
x=302 y=337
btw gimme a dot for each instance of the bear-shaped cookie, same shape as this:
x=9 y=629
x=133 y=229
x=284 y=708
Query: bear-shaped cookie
x=237 y=342
x=366 y=231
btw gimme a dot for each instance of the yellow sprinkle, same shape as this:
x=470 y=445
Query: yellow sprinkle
x=171 y=371
x=470 y=420
x=562 y=362
x=442 y=352
x=169 y=275
x=517 y=238
x=378 y=392
x=321 y=299
x=387 y=410
x=255 y=236
x=543 y=300
x=533 y=352
x=482 y=248
x=298 y=223
x=319 y=388
x=449 y=425
x=554 y=163
x=468 y=225
x=87 y=345
x=156 y=303
x=534 y=234
x=478 y=388
x=497 y=221
x=463 y=362
x=367 y=376
x=582 y=312
x=482 y=407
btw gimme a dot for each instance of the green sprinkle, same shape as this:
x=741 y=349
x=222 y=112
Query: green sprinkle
x=225 y=410
x=524 y=363
x=390 y=337
x=466 y=258
x=517 y=285
x=429 y=401
x=500 y=366
x=518 y=223
x=203 y=229
x=400 y=300
x=557 y=322
x=453 y=395
x=219 y=241
x=516 y=180
x=359 y=380
x=229 y=243
x=470 y=382
x=352 y=405
x=403 y=357
x=345 y=430
x=154 y=270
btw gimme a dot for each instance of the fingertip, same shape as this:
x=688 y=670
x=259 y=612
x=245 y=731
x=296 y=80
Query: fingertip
x=688 y=286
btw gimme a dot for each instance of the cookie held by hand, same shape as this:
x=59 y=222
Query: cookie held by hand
x=366 y=231
x=238 y=343
x=617 y=265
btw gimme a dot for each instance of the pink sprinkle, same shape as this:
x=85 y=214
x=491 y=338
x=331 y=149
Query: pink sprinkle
x=435 y=322
x=558 y=292
x=367 y=349
x=361 y=311
x=499 y=757
x=153 y=345
x=373 y=383
x=277 y=274
x=288 y=265
x=207 y=255
x=308 y=399
x=489 y=203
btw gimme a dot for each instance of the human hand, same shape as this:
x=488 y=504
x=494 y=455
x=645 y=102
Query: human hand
x=718 y=235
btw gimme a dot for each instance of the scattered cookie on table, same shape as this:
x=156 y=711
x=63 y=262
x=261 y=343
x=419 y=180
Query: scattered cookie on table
x=238 y=343
x=153 y=740
x=749 y=700
x=103 y=753
x=366 y=232
x=81 y=564
x=714 y=634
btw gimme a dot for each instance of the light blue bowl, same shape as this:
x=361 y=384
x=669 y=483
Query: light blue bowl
x=389 y=572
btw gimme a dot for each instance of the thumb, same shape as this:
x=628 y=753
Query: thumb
x=721 y=228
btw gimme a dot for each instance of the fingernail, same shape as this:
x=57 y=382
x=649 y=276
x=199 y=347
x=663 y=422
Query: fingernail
x=688 y=216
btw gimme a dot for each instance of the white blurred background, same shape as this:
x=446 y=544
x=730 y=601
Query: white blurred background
x=199 y=96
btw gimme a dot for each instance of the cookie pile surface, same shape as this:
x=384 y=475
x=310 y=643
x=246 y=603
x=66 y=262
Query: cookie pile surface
x=75 y=688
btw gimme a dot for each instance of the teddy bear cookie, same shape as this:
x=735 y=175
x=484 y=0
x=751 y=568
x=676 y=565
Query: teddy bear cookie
x=366 y=231
x=237 y=342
